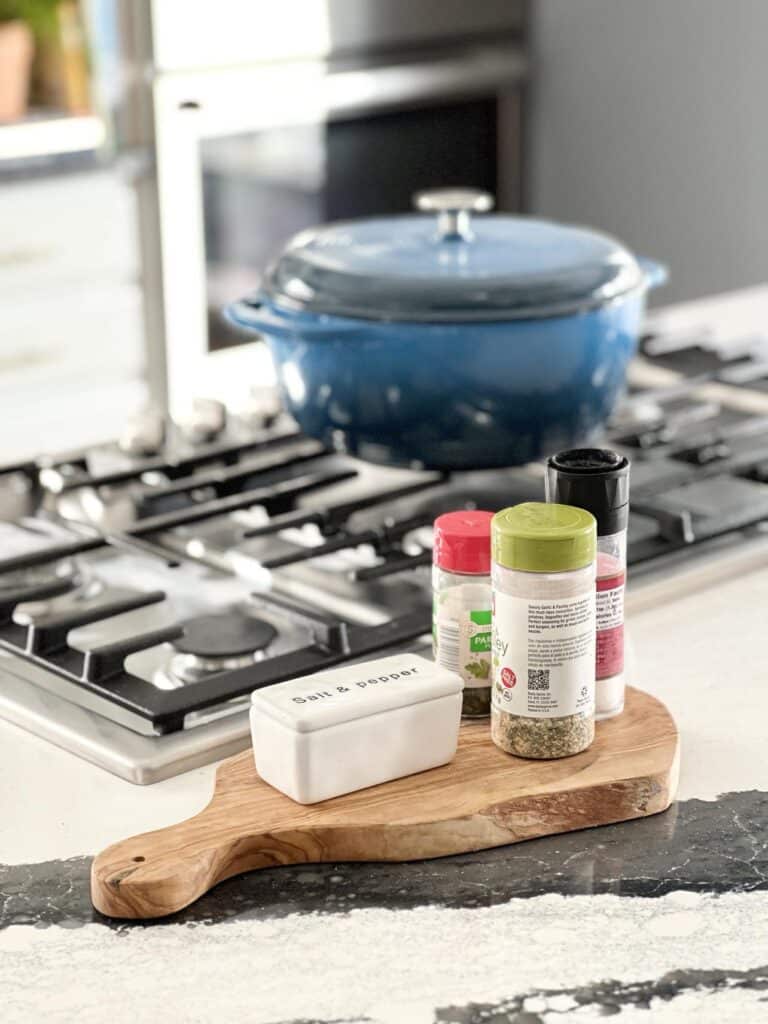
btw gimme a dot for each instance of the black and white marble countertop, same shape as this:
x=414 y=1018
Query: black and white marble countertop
x=662 y=919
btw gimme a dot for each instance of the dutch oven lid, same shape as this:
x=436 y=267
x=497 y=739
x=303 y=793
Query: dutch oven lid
x=447 y=265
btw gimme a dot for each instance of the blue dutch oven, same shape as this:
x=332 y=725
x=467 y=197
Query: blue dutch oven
x=451 y=341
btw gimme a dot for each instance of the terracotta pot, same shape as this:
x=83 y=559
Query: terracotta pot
x=16 y=51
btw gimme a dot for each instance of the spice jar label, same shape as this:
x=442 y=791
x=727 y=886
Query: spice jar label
x=610 y=625
x=544 y=655
x=462 y=642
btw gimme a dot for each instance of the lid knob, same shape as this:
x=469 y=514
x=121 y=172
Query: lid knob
x=454 y=207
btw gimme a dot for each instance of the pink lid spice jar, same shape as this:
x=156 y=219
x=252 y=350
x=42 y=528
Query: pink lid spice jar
x=597 y=480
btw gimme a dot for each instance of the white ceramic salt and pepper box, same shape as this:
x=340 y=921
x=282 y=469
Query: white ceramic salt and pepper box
x=319 y=736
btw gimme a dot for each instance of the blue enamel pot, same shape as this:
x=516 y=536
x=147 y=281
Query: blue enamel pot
x=450 y=341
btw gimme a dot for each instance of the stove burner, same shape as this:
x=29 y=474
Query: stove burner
x=224 y=635
x=189 y=668
x=215 y=643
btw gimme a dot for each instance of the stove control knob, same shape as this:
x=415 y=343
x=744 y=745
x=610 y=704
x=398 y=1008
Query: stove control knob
x=262 y=408
x=144 y=434
x=205 y=421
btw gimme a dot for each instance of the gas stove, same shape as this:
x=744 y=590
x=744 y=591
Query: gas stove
x=147 y=587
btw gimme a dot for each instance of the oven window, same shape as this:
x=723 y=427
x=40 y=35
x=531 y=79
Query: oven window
x=258 y=190
x=261 y=188
x=375 y=166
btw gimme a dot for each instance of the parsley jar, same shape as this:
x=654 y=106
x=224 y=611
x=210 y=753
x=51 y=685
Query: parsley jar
x=543 y=578
x=461 y=619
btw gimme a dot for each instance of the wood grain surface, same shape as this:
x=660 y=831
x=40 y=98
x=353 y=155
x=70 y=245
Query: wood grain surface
x=483 y=798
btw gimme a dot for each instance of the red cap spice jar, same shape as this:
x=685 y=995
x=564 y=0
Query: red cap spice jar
x=461 y=620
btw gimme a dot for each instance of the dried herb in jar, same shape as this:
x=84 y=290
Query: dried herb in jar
x=476 y=702
x=543 y=575
x=542 y=737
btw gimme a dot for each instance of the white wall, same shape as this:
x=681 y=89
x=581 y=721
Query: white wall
x=650 y=120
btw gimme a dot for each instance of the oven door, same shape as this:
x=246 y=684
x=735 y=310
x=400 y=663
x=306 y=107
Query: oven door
x=247 y=157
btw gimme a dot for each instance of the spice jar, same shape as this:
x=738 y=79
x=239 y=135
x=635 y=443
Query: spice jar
x=597 y=480
x=461 y=621
x=543 y=577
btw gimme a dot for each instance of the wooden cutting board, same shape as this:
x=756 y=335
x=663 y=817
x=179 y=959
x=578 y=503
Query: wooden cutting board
x=483 y=798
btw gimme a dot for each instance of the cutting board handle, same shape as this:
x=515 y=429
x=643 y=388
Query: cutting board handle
x=159 y=873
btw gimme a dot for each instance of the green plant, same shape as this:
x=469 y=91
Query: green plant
x=40 y=15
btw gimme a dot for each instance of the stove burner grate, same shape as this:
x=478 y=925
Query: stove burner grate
x=36 y=583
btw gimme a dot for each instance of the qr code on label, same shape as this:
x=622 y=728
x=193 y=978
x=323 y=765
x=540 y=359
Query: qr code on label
x=538 y=678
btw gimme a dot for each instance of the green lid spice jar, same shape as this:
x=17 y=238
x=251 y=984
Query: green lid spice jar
x=543 y=579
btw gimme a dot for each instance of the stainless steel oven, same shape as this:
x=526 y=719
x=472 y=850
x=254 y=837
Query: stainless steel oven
x=268 y=118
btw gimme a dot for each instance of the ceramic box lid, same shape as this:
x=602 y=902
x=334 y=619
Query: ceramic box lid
x=352 y=692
